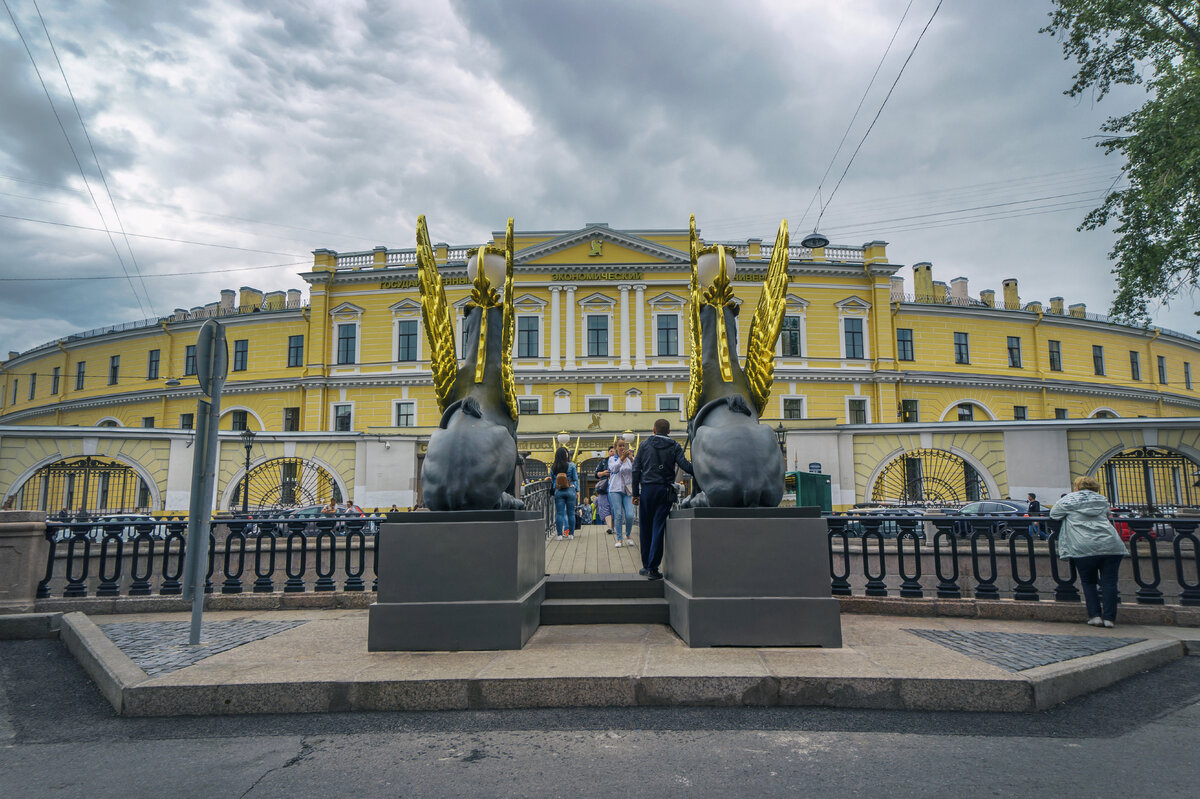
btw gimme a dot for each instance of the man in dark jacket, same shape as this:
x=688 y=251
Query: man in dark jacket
x=653 y=491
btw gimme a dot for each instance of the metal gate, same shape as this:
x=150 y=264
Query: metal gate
x=287 y=483
x=85 y=485
x=1150 y=480
x=928 y=477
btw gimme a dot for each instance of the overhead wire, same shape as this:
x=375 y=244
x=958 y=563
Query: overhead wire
x=121 y=225
x=78 y=163
x=882 y=105
x=151 y=274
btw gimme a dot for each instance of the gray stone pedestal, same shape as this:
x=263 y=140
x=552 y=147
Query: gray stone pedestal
x=23 y=553
x=462 y=580
x=743 y=577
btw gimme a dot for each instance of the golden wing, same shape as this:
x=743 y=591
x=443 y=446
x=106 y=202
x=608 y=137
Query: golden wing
x=435 y=311
x=696 y=365
x=768 y=318
x=508 y=381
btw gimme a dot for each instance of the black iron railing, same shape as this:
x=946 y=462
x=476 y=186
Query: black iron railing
x=949 y=557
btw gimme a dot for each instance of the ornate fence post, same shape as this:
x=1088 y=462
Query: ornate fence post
x=23 y=554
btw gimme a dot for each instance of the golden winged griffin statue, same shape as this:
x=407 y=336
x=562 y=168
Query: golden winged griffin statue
x=737 y=461
x=471 y=458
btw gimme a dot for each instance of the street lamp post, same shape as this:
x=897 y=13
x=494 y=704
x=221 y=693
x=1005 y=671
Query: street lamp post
x=781 y=437
x=247 y=442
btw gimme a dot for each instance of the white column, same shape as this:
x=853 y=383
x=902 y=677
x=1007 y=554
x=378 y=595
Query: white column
x=624 y=325
x=641 y=326
x=554 y=326
x=571 y=312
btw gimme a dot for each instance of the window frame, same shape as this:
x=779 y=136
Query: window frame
x=239 y=419
x=659 y=317
x=153 y=359
x=901 y=342
x=537 y=402
x=411 y=404
x=1162 y=370
x=606 y=399
x=588 y=316
x=858 y=337
x=966 y=412
x=114 y=369
x=1014 y=352
x=80 y=374
x=1023 y=416
x=55 y=380
x=187 y=421
x=295 y=354
x=189 y=360
x=905 y=416
x=1135 y=365
x=866 y=401
x=962 y=349
x=412 y=347
x=298 y=415
x=334 y=416
x=338 y=338
x=1054 y=354
x=1098 y=359
x=523 y=350
x=241 y=355
x=784 y=413
x=661 y=398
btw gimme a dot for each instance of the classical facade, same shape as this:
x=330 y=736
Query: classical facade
x=338 y=389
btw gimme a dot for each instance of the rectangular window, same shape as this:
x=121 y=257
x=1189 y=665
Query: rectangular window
x=909 y=411
x=346 y=336
x=527 y=337
x=341 y=418
x=1020 y=413
x=406 y=414
x=147 y=421
x=189 y=360
x=597 y=336
x=790 y=337
x=852 y=329
x=406 y=340
x=966 y=412
x=668 y=334
x=527 y=406
x=152 y=365
x=668 y=404
x=597 y=404
x=1055 y=355
x=187 y=421
x=962 y=348
x=80 y=370
x=114 y=369
x=32 y=384
x=1135 y=365
x=1060 y=413
x=793 y=408
x=1187 y=376
x=57 y=373
x=857 y=411
x=237 y=420
x=904 y=344
x=1162 y=369
x=295 y=351
x=1014 y=352
x=291 y=420
x=241 y=352
x=1098 y=359
x=15 y=383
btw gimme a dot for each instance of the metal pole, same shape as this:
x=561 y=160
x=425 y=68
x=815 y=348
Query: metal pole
x=246 y=483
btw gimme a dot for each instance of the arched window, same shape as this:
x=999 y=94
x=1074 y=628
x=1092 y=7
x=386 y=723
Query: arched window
x=928 y=477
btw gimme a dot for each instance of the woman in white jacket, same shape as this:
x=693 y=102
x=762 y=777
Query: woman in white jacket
x=1093 y=544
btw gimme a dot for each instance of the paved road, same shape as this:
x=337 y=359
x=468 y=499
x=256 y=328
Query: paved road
x=59 y=738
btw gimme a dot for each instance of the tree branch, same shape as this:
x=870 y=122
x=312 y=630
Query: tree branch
x=1180 y=21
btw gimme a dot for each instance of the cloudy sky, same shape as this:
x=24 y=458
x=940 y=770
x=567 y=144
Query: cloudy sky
x=235 y=138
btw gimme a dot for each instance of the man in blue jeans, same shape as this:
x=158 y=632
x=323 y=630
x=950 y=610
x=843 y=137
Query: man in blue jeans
x=654 y=491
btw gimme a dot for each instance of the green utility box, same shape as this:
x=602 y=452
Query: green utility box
x=810 y=489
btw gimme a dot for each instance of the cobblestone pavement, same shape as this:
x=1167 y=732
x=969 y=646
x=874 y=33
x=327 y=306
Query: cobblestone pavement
x=160 y=647
x=1020 y=651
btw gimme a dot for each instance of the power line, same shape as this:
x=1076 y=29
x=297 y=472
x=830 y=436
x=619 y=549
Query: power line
x=147 y=236
x=132 y=258
x=152 y=274
x=74 y=155
x=854 y=116
x=877 y=113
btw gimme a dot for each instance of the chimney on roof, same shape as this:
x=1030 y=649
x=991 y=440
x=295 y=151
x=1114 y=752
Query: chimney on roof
x=941 y=292
x=897 y=292
x=1056 y=305
x=293 y=298
x=958 y=291
x=923 y=282
x=227 y=299
x=273 y=301
x=1011 y=300
x=1079 y=309
x=249 y=298
x=988 y=297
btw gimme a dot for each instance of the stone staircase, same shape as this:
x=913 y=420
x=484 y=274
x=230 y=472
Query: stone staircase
x=603 y=599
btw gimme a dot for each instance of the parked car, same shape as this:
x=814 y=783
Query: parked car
x=996 y=507
x=892 y=524
x=130 y=525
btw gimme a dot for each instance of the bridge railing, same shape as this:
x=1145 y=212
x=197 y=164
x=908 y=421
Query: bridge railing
x=947 y=557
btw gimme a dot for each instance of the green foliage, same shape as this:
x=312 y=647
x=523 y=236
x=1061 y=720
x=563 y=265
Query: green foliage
x=1155 y=43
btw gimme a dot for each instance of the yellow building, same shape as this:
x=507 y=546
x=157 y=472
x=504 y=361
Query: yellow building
x=602 y=347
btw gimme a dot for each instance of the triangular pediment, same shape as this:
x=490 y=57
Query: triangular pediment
x=406 y=305
x=596 y=300
x=596 y=245
x=529 y=302
x=853 y=303
x=346 y=309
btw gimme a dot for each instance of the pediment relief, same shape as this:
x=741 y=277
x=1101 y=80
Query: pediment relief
x=346 y=309
x=667 y=300
x=853 y=304
x=597 y=300
x=595 y=245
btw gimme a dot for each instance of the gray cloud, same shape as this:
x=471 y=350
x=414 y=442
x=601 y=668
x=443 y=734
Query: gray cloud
x=340 y=123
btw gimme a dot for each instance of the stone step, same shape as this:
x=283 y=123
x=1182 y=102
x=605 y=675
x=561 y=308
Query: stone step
x=627 y=610
x=602 y=586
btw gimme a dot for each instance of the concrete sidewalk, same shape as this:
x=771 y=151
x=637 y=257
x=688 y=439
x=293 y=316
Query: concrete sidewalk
x=286 y=661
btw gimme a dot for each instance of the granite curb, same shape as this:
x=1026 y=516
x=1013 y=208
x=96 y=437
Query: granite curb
x=132 y=693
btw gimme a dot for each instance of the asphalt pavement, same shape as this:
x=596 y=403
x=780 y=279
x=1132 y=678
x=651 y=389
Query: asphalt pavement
x=60 y=738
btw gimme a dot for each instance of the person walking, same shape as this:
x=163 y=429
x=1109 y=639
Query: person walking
x=620 y=492
x=653 y=490
x=603 y=509
x=1090 y=541
x=1035 y=509
x=566 y=494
